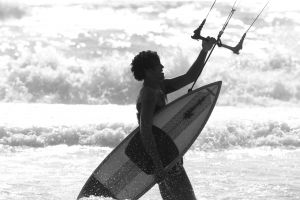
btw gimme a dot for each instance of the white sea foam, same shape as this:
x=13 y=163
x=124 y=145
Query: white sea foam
x=59 y=172
x=40 y=125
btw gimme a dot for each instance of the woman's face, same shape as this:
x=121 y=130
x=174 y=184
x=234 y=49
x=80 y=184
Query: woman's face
x=156 y=73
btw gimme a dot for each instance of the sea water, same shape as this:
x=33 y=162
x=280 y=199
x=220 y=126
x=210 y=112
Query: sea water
x=49 y=151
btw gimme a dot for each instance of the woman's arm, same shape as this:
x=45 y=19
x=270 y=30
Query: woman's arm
x=195 y=70
x=148 y=102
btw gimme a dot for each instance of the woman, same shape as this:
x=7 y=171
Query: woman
x=146 y=67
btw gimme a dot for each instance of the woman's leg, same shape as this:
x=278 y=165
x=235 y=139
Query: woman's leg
x=177 y=186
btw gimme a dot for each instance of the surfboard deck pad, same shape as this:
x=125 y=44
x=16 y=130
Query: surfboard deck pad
x=165 y=146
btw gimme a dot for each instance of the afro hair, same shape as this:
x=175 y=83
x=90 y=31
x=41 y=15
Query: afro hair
x=144 y=60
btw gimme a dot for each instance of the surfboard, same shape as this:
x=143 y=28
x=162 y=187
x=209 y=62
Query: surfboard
x=127 y=172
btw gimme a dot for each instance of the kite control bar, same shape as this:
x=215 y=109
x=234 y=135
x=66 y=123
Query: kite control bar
x=235 y=49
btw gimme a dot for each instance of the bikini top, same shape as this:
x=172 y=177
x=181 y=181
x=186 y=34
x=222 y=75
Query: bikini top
x=161 y=102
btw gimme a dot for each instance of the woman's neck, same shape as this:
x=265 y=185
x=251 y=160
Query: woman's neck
x=152 y=84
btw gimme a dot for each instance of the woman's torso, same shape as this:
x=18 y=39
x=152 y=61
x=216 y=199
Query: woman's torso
x=160 y=100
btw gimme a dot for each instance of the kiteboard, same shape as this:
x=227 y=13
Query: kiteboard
x=127 y=172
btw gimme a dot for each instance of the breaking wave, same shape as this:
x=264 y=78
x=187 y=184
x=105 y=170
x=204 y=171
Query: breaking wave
x=75 y=62
x=45 y=78
x=272 y=134
x=229 y=135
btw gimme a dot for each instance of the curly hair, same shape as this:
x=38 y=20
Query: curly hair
x=144 y=60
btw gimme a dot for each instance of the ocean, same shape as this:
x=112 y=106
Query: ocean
x=67 y=94
x=48 y=151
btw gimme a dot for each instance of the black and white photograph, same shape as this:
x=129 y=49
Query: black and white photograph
x=149 y=99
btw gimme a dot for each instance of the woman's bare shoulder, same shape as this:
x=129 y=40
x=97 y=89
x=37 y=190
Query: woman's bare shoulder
x=148 y=94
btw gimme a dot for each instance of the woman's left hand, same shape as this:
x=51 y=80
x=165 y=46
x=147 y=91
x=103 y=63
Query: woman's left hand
x=207 y=45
